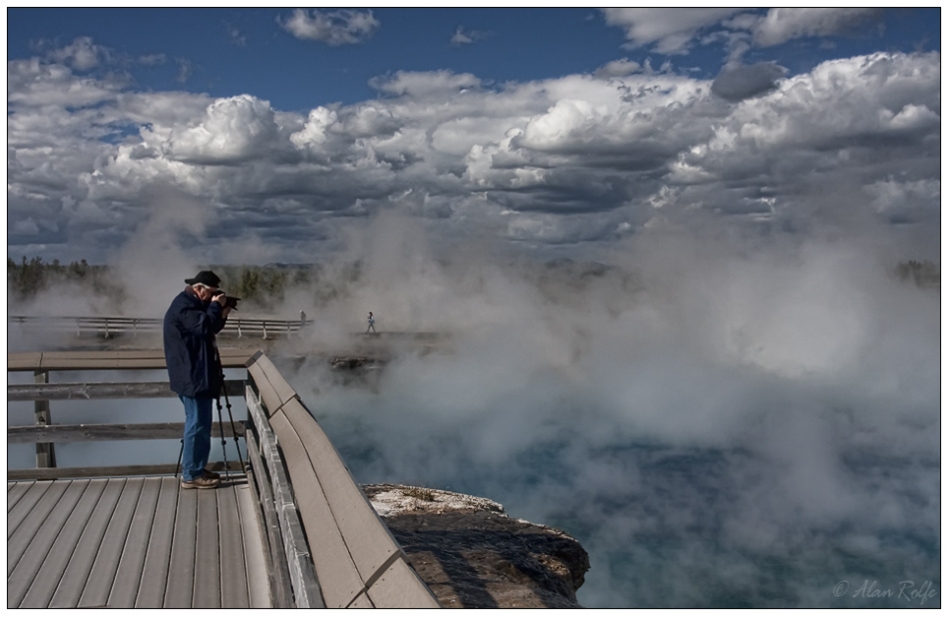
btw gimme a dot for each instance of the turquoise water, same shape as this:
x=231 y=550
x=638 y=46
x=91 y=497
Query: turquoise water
x=805 y=500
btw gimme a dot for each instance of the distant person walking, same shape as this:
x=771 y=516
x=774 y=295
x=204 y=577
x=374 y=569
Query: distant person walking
x=372 y=324
x=194 y=317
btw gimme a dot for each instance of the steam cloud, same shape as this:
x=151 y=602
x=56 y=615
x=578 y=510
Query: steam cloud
x=719 y=422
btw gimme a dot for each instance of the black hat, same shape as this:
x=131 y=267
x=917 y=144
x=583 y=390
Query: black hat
x=205 y=277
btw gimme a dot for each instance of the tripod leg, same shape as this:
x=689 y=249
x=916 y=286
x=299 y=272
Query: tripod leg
x=180 y=452
x=230 y=416
x=237 y=444
x=223 y=441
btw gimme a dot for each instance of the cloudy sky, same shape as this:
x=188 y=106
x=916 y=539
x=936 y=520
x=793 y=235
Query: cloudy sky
x=245 y=135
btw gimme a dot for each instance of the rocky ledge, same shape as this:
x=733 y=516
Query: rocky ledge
x=473 y=555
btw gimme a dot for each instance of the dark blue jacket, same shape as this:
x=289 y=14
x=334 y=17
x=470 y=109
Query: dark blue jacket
x=189 y=329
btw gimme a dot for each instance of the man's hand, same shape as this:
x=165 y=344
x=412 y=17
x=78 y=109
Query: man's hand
x=220 y=299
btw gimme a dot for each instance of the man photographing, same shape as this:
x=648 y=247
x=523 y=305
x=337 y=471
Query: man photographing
x=195 y=316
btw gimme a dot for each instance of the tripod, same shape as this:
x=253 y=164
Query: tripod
x=230 y=417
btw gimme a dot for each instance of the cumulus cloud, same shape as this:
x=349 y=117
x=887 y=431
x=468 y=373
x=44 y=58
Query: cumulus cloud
x=82 y=54
x=783 y=24
x=32 y=82
x=343 y=27
x=582 y=159
x=314 y=132
x=739 y=82
x=676 y=30
x=617 y=68
x=425 y=84
x=668 y=30
x=232 y=131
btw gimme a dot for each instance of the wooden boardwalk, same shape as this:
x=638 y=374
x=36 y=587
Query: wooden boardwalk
x=134 y=542
x=300 y=533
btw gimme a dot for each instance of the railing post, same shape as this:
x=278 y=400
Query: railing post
x=45 y=455
x=265 y=329
x=106 y=327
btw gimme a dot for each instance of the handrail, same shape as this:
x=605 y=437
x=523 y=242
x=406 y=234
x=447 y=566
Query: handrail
x=272 y=481
x=359 y=564
x=109 y=326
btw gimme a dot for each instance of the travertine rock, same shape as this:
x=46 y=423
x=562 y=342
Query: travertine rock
x=472 y=555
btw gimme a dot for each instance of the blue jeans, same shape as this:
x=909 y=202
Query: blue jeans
x=197 y=445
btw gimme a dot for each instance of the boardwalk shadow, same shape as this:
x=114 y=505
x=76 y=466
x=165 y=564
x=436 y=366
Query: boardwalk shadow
x=484 y=560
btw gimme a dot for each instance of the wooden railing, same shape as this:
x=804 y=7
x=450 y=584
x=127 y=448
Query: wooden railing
x=328 y=547
x=45 y=434
x=108 y=327
x=358 y=563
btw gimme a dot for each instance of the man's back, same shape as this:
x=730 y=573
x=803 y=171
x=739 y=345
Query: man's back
x=188 y=332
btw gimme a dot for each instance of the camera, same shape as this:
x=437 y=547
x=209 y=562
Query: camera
x=229 y=301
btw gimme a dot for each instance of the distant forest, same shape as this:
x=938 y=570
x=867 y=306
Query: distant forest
x=28 y=278
x=261 y=286
x=265 y=286
x=923 y=273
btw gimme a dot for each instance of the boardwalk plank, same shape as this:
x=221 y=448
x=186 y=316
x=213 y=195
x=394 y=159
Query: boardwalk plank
x=80 y=564
x=367 y=538
x=106 y=360
x=23 y=575
x=18 y=513
x=362 y=601
x=400 y=587
x=233 y=573
x=180 y=586
x=47 y=579
x=129 y=573
x=99 y=584
x=207 y=562
x=151 y=592
x=20 y=541
x=254 y=551
x=15 y=493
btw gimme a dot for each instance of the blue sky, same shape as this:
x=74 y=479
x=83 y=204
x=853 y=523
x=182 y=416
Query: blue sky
x=519 y=125
x=236 y=51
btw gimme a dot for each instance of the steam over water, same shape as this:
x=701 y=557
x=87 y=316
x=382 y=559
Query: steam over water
x=717 y=429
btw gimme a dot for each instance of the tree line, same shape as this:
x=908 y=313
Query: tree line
x=28 y=278
x=923 y=273
x=260 y=287
x=265 y=287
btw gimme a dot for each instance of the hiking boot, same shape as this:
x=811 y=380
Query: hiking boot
x=201 y=482
x=210 y=475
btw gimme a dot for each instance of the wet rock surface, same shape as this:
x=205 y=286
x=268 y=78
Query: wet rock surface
x=473 y=555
